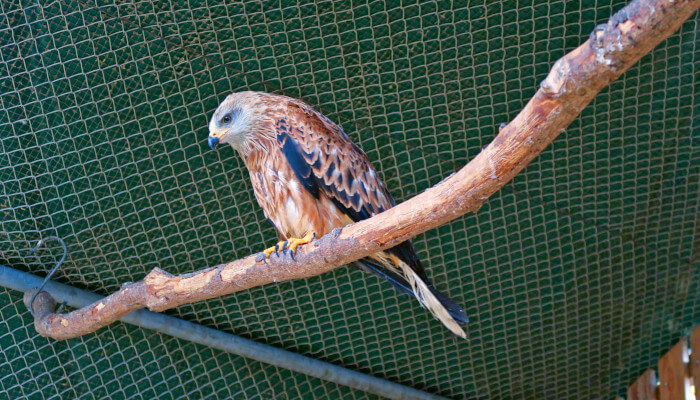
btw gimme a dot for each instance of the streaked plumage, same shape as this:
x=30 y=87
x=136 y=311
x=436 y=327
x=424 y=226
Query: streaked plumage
x=308 y=176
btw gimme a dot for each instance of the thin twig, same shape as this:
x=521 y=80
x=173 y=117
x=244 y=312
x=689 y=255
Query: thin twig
x=572 y=83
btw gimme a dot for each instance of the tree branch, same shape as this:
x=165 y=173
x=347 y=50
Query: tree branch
x=571 y=84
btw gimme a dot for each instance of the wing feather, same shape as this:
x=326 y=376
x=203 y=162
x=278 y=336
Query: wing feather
x=326 y=161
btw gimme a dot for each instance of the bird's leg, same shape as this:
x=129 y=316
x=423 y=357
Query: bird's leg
x=290 y=244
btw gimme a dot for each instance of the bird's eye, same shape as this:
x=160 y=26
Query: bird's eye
x=226 y=119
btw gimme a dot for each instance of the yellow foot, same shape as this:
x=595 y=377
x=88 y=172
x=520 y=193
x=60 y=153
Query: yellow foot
x=290 y=244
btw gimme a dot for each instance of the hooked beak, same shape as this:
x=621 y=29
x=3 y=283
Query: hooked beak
x=213 y=142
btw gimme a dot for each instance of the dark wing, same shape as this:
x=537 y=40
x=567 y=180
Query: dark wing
x=326 y=161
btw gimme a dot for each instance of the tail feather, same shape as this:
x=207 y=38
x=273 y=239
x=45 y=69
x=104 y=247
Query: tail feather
x=426 y=297
x=407 y=280
x=381 y=271
x=453 y=308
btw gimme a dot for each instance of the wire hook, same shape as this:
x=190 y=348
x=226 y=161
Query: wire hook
x=53 y=270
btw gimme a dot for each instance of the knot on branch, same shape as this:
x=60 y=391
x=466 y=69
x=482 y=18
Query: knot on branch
x=554 y=83
x=158 y=281
x=569 y=75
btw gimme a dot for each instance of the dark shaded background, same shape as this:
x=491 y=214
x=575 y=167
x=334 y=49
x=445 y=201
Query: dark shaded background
x=577 y=276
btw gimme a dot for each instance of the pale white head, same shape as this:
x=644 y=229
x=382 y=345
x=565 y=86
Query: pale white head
x=235 y=117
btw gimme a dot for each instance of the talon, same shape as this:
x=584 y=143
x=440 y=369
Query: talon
x=274 y=249
x=289 y=244
x=298 y=242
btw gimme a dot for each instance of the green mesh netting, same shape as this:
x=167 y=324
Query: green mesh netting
x=577 y=276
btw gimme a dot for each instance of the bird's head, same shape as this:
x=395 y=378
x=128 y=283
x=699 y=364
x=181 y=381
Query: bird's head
x=235 y=117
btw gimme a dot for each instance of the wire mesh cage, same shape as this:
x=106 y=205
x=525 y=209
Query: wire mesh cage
x=576 y=276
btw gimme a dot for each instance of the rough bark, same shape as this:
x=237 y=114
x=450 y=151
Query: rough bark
x=571 y=84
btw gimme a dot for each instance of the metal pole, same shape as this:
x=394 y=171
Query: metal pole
x=74 y=297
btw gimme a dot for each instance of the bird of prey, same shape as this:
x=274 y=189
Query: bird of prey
x=309 y=178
